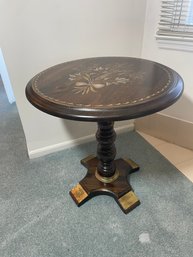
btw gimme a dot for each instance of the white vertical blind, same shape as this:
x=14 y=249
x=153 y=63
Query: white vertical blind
x=176 y=19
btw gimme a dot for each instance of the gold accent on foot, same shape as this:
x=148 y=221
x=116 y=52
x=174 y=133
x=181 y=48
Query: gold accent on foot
x=78 y=193
x=128 y=200
x=133 y=165
x=107 y=179
x=88 y=158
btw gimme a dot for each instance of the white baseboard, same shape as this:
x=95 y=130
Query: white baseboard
x=170 y=129
x=72 y=143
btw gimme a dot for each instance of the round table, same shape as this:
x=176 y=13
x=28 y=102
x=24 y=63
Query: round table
x=104 y=90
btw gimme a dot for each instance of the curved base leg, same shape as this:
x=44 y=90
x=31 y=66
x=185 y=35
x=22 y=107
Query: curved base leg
x=120 y=189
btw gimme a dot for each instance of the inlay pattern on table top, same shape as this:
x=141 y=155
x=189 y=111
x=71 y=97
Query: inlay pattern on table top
x=95 y=84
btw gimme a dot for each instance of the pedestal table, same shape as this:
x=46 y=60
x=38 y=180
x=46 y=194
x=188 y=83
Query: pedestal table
x=104 y=90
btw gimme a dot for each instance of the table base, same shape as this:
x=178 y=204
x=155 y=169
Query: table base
x=118 y=186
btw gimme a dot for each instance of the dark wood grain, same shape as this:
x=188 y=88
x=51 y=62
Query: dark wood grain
x=104 y=88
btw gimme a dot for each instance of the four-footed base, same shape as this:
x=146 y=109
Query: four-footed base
x=117 y=186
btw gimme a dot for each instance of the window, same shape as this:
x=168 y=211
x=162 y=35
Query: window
x=176 y=22
x=190 y=14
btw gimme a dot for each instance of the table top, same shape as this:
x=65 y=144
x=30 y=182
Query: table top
x=104 y=88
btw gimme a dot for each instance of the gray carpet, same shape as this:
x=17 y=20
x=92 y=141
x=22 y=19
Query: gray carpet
x=39 y=219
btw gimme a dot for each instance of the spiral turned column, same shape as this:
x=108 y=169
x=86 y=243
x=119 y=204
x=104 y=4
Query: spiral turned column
x=106 y=150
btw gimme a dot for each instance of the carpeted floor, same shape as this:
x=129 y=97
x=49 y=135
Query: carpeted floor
x=39 y=219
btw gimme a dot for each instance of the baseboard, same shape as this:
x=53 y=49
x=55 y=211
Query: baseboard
x=170 y=129
x=72 y=143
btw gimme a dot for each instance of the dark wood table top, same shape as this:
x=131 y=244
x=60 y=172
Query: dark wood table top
x=104 y=88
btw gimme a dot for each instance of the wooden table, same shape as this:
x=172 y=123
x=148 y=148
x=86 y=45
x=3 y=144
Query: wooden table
x=104 y=90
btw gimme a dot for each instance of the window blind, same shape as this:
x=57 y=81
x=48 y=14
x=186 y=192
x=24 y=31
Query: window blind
x=176 y=19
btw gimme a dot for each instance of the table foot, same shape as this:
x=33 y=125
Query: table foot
x=118 y=186
x=134 y=166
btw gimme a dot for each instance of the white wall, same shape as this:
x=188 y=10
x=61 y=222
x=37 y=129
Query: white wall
x=36 y=34
x=180 y=61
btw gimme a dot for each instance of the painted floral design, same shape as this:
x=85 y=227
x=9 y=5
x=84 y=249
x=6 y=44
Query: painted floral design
x=99 y=77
